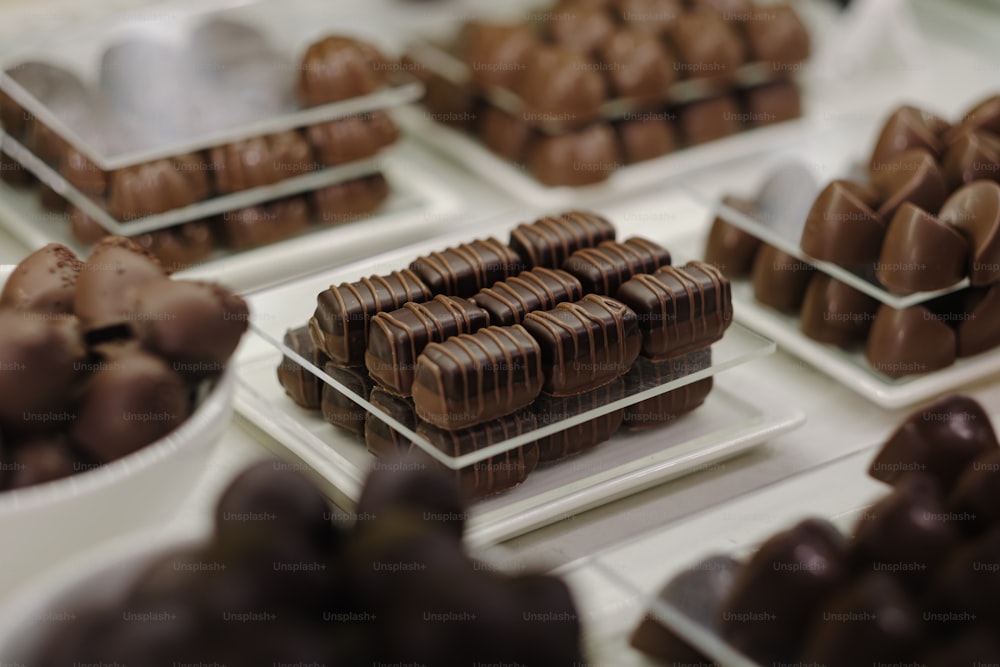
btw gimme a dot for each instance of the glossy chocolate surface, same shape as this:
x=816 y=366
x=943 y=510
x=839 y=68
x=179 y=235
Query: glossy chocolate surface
x=706 y=44
x=465 y=269
x=730 y=248
x=908 y=127
x=666 y=407
x=842 y=229
x=834 y=312
x=580 y=157
x=382 y=440
x=562 y=85
x=509 y=301
x=349 y=201
x=909 y=341
x=914 y=177
x=105 y=288
x=268 y=223
x=972 y=156
x=352 y=138
x=549 y=241
x=772 y=103
x=779 y=279
x=301 y=385
x=157 y=187
x=506 y=135
x=975 y=210
x=921 y=253
x=551 y=409
x=645 y=139
x=638 y=64
x=337 y=68
x=603 y=269
x=778 y=37
x=340 y=410
x=708 y=120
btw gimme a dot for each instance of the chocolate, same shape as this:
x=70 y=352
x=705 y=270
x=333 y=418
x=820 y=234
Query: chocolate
x=340 y=324
x=351 y=138
x=908 y=127
x=551 y=240
x=302 y=386
x=984 y=116
x=107 y=282
x=777 y=592
x=498 y=54
x=657 y=17
x=666 y=407
x=464 y=270
x=349 y=201
x=841 y=228
x=778 y=38
x=638 y=64
x=706 y=44
x=644 y=139
x=338 y=68
x=680 y=309
x=966 y=648
x=562 y=86
x=157 y=187
x=974 y=155
x=779 y=279
x=51 y=85
x=921 y=253
x=383 y=440
x=181 y=247
x=397 y=338
x=340 y=410
x=509 y=301
x=911 y=177
x=83 y=174
x=708 y=120
x=259 y=161
x=265 y=224
x=497 y=473
x=195 y=325
x=507 y=136
x=44 y=281
x=909 y=341
x=132 y=400
x=772 y=103
x=580 y=27
x=834 y=312
x=728 y=247
x=12 y=172
x=41 y=459
x=973 y=314
x=474 y=378
x=450 y=102
x=551 y=409
x=585 y=344
x=976 y=493
x=577 y=158
x=84 y=228
x=602 y=270
x=940 y=440
x=975 y=210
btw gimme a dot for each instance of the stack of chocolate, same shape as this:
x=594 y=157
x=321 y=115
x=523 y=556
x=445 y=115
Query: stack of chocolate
x=927 y=219
x=99 y=358
x=120 y=117
x=914 y=583
x=483 y=342
x=579 y=90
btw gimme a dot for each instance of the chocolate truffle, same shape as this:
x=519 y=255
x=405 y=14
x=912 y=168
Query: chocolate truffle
x=508 y=301
x=580 y=27
x=181 y=247
x=645 y=139
x=909 y=341
x=340 y=324
x=44 y=281
x=656 y=17
x=451 y=102
x=706 y=44
x=351 y=138
x=85 y=229
x=349 y=201
x=638 y=64
x=506 y=135
x=708 y=120
x=157 y=187
x=779 y=279
x=562 y=86
x=582 y=157
x=974 y=314
x=976 y=493
x=265 y=224
x=259 y=161
x=301 y=385
x=338 y=68
x=730 y=248
x=465 y=269
x=772 y=103
x=551 y=409
x=975 y=210
x=340 y=410
x=921 y=253
x=474 y=378
x=974 y=155
x=910 y=177
x=834 y=312
x=841 y=228
x=498 y=54
x=778 y=37
x=908 y=127
x=603 y=269
x=551 y=240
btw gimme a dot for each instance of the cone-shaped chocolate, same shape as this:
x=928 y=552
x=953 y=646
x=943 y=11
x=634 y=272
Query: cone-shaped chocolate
x=909 y=341
x=836 y=313
x=984 y=115
x=975 y=210
x=780 y=280
x=842 y=229
x=921 y=253
x=913 y=176
x=730 y=248
x=973 y=155
x=908 y=127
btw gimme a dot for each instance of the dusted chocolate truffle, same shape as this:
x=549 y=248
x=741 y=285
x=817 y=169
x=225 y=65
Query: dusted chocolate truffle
x=708 y=120
x=921 y=253
x=549 y=241
x=772 y=103
x=349 y=201
x=338 y=68
x=550 y=409
x=44 y=281
x=974 y=155
x=301 y=385
x=908 y=127
x=562 y=86
x=352 y=138
x=340 y=410
x=497 y=54
x=265 y=224
x=507 y=136
x=706 y=44
x=181 y=247
x=157 y=187
x=778 y=37
x=465 y=269
x=975 y=211
x=728 y=247
x=836 y=313
x=509 y=301
x=645 y=139
x=602 y=270
x=910 y=177
x=638 y=63
x=909 y=341
x=577 y=158
x=581 y=27
x=779 y=279
x=259 y=161
x=841 y=228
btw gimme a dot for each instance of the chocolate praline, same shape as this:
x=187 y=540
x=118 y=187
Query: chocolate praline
x=706 y=45
x=497 y=54
x=647 y=138
x=181 y=247
x=266 y=223
x=562 y=87
x=349 y=201
x=157 y=187
x=105 y=288
x=921 y=253
x=779 y=279
x=351 y=138
x=975 y=210
x=909 y=341
x=729 y=247
x=581 y=27
x=506 y=135
x=337 y=68
x=44 y=281
x=259 y=161
x=577 y=158
x=708 y=120
x=836 y=313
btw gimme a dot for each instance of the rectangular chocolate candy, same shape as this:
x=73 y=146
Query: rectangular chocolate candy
x=474 y=378
x=585 y=344
x=337 y=408
x=382 y=440
x=397 y=338
x=679 y=309
x=497 y=473
x=509 y=301
x=550 y=409
x=603 y=269
x=301 y=385
x=666 y=407
x=549 y=241
x=343 y=313
x=464 y=270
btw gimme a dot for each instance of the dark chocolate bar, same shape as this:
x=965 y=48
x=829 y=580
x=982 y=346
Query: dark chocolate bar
x=551 y=240
x=585 y=344
x=465 y=269
x=509 y=301
x=550 y=409
x=382 y=440
x=603 y=269
x=339 y=409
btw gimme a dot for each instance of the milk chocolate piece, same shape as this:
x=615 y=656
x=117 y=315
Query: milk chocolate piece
x=908 y=127
x=134 y=399
x=497 y=473
x=834 y=312
x=779 y=279
x=383 y=440
x=508 y=301
x=349 y=201
x=497 y=54
x=708 y=120
x=340 y=410
x=302 y=386
x=974 y=314
x=909 y=341
x=157 y=187
x=976 y=494
x=842 y=229
x=551 y=409
x=42 y=459
x=776 y=593
x=473 y=378
x=397 y=338
x=340 y=324
x=577 y=158
x=551 y=240
x=772 y=103
x=972 y=156
x=940 y=440
x=83 y=174
x=44 y=281
x=655 y=17
x=451 y=102
x=505 y=135
x=51 y=85
x=706 y=44
x=585 y=344
x=778 y=37
x=338 y=68
x=975 y=210
x=914 y=177
x=563 y=86
x=728 y=247
x=645 y=139
x=194 y=325
x=680 y=309
x=181 y=247
x=603 y=269
x=464 y=270
x=666 y=407
x=921 y=253
x=260 y=161
x=105 y=288
x=84 y=228
x=351 y=138
x=265 y=223
x=580 y=27
x=638 y=64
x=984 y=116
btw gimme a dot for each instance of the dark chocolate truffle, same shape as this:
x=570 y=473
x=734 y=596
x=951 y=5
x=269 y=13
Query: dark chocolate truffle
x=667 y=407
x=921 y=253
x=549 y=241
x=550 y=409
x=260 y=161
x=976 y=494
x=509 y=301
x=44 y=281
x=338 y=68
x=467 y=268
x=638 y=64
x=338 y=409
x=300 y=384
x=381 y=439
x=603 y=269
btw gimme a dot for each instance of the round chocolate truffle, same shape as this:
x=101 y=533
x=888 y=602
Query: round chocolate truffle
x=338 y=68
x=44 y=281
